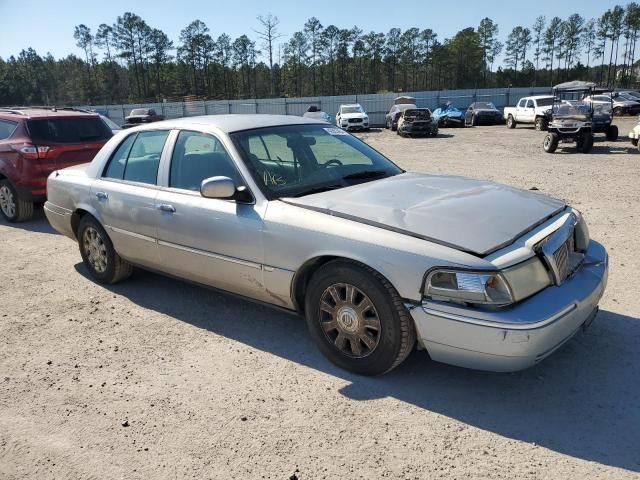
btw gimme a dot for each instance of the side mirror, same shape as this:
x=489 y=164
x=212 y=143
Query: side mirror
x=217 y=187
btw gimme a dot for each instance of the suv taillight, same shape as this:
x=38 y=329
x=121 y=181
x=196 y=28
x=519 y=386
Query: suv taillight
x=31 y=151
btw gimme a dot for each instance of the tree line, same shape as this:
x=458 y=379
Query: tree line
x=131 y=61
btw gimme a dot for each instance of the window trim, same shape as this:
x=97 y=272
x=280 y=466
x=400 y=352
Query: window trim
x=169 y=162
x=115 y=150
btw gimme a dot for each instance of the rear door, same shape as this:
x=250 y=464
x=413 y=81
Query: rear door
x=125 y=195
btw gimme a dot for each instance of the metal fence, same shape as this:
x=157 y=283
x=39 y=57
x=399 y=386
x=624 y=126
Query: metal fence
x=376 y=105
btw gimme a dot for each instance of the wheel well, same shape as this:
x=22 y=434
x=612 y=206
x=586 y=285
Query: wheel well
x=75 y=219
x=306 y=271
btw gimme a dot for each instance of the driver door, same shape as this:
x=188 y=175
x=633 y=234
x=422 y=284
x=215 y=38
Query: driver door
x=213 y=241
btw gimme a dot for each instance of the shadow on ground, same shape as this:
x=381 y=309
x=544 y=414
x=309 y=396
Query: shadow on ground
x=583 y=401
x=38 y=224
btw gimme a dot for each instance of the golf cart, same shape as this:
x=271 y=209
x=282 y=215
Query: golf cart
x=571 y=117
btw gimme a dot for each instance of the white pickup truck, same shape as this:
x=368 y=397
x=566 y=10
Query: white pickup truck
x=530 y=110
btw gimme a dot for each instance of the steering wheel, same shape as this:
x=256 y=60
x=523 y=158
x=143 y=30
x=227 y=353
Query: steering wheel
x=334 y=162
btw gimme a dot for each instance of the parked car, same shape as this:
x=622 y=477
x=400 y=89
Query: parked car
x=400 y=104
x=36 y=141
x=352 y=117
x=532 y=110
x=303 y=215
x=631 y=95
x=417 y=122
x=483 y=113
x=449 y=116
x=141 y=115
x=317 y=114
x=622 y=105
x=634 y=135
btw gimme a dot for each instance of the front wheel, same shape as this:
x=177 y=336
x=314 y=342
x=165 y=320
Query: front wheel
x=612 y=133
x=99 y=256
x=618 y=111
x=12 y=207
x=474 y=121
x=511 y=122
x=541 y=124
x=357 y=319
x=550 y=142
x=587 y=143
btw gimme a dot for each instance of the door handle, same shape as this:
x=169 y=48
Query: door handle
x=102 y=195
x=165 y=207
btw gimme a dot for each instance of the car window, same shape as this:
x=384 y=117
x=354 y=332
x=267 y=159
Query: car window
x=530 y=104
x=521 y=103
x=6 y=128
x=137 y=158
x=69 y=130
x=196 y=157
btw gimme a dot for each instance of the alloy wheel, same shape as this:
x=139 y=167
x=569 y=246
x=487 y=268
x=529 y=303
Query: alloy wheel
x=7 y=202
x=95 y=249
x=349 y=320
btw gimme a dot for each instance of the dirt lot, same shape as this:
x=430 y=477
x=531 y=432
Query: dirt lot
x=155 y=378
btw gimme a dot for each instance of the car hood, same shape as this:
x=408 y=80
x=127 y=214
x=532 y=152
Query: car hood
x=487 y=110
x=471 y=215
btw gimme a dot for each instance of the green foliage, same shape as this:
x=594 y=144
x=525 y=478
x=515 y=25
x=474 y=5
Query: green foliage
x=130 y=61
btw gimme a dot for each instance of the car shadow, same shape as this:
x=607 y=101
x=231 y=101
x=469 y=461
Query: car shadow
x=38 y=224
x=582 y=401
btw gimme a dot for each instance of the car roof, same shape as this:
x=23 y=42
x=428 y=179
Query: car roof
x=29 y=113
x=350 y=105
x=229 y=123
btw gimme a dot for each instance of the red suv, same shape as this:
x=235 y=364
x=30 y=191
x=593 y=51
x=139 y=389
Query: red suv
x=33 y=143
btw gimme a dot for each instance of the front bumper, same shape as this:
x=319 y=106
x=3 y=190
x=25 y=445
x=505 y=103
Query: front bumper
x=421 y=129
x=514 y=338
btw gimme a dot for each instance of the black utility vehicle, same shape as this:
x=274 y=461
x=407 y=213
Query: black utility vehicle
x=571 y=118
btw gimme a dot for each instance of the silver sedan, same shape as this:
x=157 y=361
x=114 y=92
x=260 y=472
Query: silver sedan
x=302 y=215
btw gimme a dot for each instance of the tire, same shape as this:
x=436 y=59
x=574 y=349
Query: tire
x=386 y=124
x=394 y=128
x=390 y=332
x=99 y=257
x=474 y=121
x=550 y=142
x=12 y=207
x=612 y=133
x=618 y=111
x=541 y=124
x=634 y=142
x=511 y=122
x=587 y=143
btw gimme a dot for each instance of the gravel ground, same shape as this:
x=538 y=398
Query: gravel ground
x=155 y=378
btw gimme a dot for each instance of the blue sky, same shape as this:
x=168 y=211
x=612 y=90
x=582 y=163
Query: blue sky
x=47 y=25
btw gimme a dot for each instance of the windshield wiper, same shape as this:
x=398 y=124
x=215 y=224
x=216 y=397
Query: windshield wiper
x=366 y=174
x=320 y=189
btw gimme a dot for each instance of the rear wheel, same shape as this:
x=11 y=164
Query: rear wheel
x=99 y=256
x=587 y=143
x=541 y=124
x=474 y=121
x=612 y=133
x=357 y=319
x=511 y=122
x=618 y=111
x=550 y=142
x=12 y=207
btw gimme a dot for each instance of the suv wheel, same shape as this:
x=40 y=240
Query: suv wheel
x=511 y=122
x=98 y=254
x=357 y=319
x=12 y=207
x=612 y=133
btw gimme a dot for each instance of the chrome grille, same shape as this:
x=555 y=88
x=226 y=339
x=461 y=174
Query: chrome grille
x=559 y=252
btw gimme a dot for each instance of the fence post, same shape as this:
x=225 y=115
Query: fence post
x=286 y=106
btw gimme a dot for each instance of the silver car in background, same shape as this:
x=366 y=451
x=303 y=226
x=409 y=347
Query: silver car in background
x=302 y=215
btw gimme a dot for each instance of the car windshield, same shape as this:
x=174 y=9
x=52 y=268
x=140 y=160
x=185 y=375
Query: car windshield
x=626 y=96
x=485 y=105
x=405 y=106
x=355 y=109
x=417 y=114
x=297 y=160
x=140 y=111
x=545 y=102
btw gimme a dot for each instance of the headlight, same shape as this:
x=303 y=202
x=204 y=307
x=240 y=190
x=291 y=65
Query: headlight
x=471 y=287
x=365 y=118
x=488 y=288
